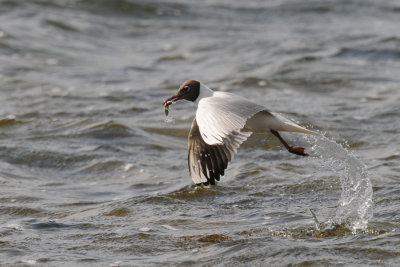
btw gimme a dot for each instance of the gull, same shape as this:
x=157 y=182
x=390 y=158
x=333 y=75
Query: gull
x=223 y=122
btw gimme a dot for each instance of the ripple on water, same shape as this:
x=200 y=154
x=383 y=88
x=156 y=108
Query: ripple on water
x=253 y=82
x=181 y=133
x=9 y=121
x=198 y=241
x=61 y=25
x=49 y=225
x=137 y=244
x=42 y=159
x=118 y=212
x=107 y=130
x=20 y=199
x=101 y=166
x=23 y=211
x=370 y=54
x=80 y=204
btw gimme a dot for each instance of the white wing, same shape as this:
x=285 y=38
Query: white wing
x=223 y=114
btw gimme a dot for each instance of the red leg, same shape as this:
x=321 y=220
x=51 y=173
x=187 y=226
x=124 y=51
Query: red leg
x=294 y=150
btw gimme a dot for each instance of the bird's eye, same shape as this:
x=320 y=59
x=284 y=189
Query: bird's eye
x=186 y=88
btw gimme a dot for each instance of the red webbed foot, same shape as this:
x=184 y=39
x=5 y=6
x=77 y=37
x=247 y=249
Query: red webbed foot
x=297 y=151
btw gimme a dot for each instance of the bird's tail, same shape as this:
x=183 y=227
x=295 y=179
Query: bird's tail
x=289 y=126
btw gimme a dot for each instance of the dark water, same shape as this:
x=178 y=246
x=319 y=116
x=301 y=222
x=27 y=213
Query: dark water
x=92 y=175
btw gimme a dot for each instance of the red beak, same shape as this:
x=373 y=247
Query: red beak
x=171 y=100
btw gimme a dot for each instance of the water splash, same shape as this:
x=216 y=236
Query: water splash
x=355 y=203
x=169 y=119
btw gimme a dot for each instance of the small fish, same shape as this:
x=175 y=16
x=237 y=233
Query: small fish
x=166 y=107
x=167 y=103
x=173 y=99
x=166 y=110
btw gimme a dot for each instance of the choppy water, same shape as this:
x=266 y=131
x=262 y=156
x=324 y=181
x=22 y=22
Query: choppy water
x=91 y=174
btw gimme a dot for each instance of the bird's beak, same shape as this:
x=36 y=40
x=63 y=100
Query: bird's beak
x=171 y=100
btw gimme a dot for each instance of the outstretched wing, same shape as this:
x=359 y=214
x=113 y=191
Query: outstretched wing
x=223 y=114
x=208 y=162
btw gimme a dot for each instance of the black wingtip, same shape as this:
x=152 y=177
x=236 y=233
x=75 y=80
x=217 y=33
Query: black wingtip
x=209 y=182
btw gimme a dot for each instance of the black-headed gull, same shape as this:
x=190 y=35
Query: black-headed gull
x=223 y=122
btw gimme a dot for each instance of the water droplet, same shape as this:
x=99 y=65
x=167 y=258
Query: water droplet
x=128 y=167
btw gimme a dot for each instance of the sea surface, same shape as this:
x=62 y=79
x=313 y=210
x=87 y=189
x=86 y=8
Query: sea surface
x=92 y=173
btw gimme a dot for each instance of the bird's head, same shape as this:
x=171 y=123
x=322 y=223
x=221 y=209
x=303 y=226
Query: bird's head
x=189 y=90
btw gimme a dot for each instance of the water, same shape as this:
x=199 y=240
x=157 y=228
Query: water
x=355 y=203
x=92 y=173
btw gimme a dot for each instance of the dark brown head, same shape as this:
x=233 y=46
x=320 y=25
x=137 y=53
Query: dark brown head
x=189 y=90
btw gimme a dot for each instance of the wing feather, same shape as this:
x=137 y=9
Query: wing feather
x=208 y=162
x=224 y=115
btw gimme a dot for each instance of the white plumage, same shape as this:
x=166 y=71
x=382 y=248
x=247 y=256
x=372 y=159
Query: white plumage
x=221 y=114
